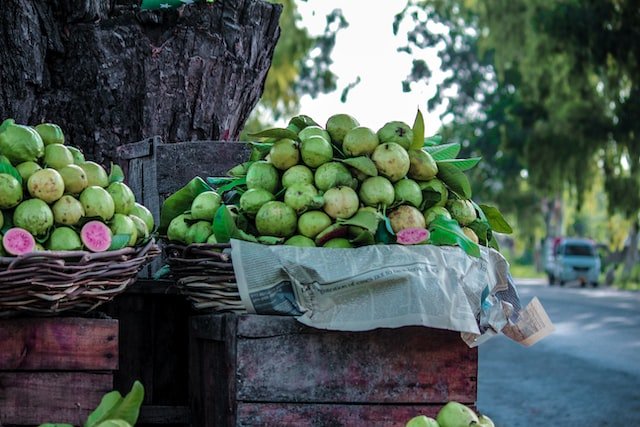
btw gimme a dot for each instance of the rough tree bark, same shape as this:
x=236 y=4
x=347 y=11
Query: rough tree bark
x=111 y=74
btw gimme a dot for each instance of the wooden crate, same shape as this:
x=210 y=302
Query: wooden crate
x=274 y=371
x=55 y=369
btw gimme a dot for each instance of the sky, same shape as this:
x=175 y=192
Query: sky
x=368 y=48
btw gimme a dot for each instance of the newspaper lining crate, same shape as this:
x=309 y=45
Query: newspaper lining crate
x=272 y=370
x=55 y=369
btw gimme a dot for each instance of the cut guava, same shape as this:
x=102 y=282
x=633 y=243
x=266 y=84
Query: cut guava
x=18 y=241
x=412 y=236
x=96 y=236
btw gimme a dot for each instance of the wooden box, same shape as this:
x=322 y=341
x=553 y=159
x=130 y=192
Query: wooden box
x=55 y=369
x=274 y=371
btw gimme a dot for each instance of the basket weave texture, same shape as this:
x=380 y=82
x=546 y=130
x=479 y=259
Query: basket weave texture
x=52 y=282
x=204 y=275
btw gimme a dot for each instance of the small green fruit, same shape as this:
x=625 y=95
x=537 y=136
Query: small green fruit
x=284 y=154
x=315 y=151
x=408 y=191
x=10 y=191
x=338 y=242
x=311 y=223
x=199 y=232
x=96 y=175
x=262 y=174
x=422 y=421
x=297 y=174
x=338 y=125
x=205 y=205
x=75 y=179
x=422 y=167
x=57 y=156
x=300 y=241
x=398 y=132
x=455 y=414
x=360 y=141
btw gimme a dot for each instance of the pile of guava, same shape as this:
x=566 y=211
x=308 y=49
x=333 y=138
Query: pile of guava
x=340 y=185
x=453 y=414
x=52 y=198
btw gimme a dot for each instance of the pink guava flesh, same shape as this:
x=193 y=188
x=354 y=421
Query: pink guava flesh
x=412 y=236
x=96 y=236
x=18 y=241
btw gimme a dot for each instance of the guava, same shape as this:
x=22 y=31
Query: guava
x=311 y=223
x=391 y=160
x=123 y=198
x=199 y=232
x=434 y=192
x=26 y=169
x=1 y=220
x=333 y=174
x=64 y=239
x=297 y=174
x=301 y=241
x=67 y=210
x=96 y=236
x=341 y=202
x=21 y=143
x=212 y=240
x=205 y=205
x=408 y=191
x=10 y=191
x=141 y=228
x=262 y=174
x=34 y=215
x=422 y=421
x=376 y=191
x=284 y=154
x=302 y=197
x=122 y=224
x=398 y=132
x=338 y=125
x=433 y=212
x=46 y=184
x=422 y=167
x=50 y=133
x=96 y=175
x=96 y=201
x=455 y=414
x=331 y=232
x=338 y=242
x=412 y=236
x=252 y=200
x=57 y=156
x=78 y=156
x=484 y=421
x=315 y=151
x=406 y=216
x=360 y=141
x=143 y=212
x=178 y=228
x=312 y=130
x=462 y=211
x=18 y=241
x=471 y=234
x=277 y=219
x=75 y=180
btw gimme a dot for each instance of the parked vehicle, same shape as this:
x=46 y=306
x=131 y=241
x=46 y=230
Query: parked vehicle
x=574 y=259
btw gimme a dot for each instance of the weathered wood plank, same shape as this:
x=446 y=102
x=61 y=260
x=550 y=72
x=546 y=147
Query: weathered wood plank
x=251 y=326
x=58 y=344
x=404 y=365
x=163 y=415
x=31 y=398
x=136 y=150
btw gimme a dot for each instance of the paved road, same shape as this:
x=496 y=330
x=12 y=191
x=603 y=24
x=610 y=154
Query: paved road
x=587 y=373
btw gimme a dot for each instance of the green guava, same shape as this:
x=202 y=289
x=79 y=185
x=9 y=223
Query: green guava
x=333 y=174
x=297 y=174
x=422 y=167
x=10 y=191
x=199 y=232
x=422 y=421
x=212 y=240
x=64 y=239
x=277 y=219
x=205 y=205
x=302 y=197
x=46 y=184
x=57 y=156
x=312 y=130
x=300 y=241
x=96 y=201
x=455 y=414
x=433 y=212
x=406 y=216
x=338 y=125
x=434 y=192
x=315 y=151
x=471 y=234
x=34 y=215
x=96 y=175
x=178 y=228
x=141 y=228
x=408 y=191
x=252 y=200
x=50 y=133
x=143 y=212
x=398 y=132
x=122 y=224
x=391 y=160
x=376 y=191
x=78 y=156
x=67 y=210
x=338 y=242
x=341 y=202
x=462 y=211
x=123 y=198
x=360 y=141
x=485 y=421
x=21 y=143
x=262 y=174
x=284 y=154
x=75 y=180
x=26 y=169
x=311 y=223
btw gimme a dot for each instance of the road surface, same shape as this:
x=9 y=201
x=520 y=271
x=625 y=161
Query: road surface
x=587 y=373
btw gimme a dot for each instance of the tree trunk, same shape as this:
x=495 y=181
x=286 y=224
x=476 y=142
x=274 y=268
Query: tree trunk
x=111 y=74
x=631 y=251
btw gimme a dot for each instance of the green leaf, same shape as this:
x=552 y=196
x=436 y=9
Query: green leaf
x=302 y=121
x=259 y=150
x=8 y=221
x=224 y=227
x=444 y=151
x=128 y=409
x=6 y=167
x=238 y=171
x=108 y=402
x=365 y=237
x=119 y=241
x=462 y=164
x=383 y=235
x=482 y=230
x=418 y=132
x=363 y=219
x=243 y=235
x=180 y=201
x=363 y=164
x=233 y=184
x=218 y=181
x=114 y=423
x=496 y=220
x=432 y=140
x=270 y=240
x=492 y=242
x=445 y=231
x=455 y=179
x=277 y=133
x=115 y=173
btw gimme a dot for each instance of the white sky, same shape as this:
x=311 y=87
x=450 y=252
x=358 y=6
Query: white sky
x=368 y=48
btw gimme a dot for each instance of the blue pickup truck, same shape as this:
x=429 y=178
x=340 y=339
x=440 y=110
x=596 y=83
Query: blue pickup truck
x=574 y=259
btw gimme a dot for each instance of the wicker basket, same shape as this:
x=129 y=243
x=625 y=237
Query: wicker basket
x=49 y=283
x=204 y=275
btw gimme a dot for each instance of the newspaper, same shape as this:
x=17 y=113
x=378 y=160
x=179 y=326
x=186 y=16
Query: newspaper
x=385 y=286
